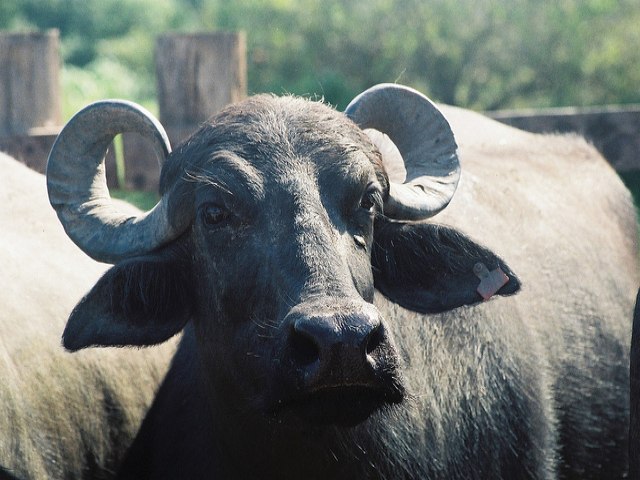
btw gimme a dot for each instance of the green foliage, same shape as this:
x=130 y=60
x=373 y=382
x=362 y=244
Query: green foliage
x=483 y=54
x=104 y=78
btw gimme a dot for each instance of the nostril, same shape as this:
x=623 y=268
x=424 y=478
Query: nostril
x=304 y=350
x=374 y=340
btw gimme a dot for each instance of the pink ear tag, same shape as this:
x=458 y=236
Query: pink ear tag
x=490 y=281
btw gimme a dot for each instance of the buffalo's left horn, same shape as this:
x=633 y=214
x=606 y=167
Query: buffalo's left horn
x=78 y=189
x=425 y=141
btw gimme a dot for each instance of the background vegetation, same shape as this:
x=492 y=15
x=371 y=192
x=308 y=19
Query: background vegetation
x=483 y=54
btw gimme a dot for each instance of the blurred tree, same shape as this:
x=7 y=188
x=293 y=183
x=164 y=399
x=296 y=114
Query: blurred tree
x=484 y=54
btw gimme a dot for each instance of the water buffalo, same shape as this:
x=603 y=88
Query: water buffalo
x=331 y=328
x=61 y=417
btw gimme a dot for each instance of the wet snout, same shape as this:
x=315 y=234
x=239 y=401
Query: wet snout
x=337 y=347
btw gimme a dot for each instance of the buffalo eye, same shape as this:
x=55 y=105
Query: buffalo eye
x=371 y=200
x=213 y=215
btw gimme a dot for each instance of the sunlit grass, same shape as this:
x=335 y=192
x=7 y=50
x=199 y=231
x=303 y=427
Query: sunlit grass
x=142 y=200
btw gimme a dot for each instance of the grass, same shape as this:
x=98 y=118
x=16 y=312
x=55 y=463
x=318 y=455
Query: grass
x=142 y=200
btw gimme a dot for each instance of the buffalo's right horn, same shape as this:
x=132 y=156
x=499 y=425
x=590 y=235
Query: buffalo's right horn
x=78 y=189
x=425 y=141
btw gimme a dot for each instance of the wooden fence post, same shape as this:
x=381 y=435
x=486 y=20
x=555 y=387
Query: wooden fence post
x=197 y=75
x=30 y=112
x=29 y=81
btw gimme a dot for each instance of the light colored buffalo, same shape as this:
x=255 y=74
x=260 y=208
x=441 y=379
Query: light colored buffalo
x=61 y=416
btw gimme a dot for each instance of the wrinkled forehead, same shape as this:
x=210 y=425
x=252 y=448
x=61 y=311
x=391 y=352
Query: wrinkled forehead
x=273 y=138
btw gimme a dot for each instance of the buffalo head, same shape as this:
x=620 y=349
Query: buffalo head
x=279 y=218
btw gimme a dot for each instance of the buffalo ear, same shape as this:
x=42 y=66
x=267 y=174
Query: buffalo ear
x=431 y=268
x=141 y=301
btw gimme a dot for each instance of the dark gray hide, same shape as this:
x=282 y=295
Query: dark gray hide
x=61 y=416
x=634 y=395
x=324 y=340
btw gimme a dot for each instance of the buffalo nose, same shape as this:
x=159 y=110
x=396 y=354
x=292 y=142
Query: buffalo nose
x=337 y=349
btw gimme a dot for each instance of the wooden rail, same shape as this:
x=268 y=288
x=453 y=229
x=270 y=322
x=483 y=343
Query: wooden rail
x=614 y=130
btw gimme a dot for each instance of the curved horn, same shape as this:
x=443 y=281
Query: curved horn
x=78 y=188
x=425 y=141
